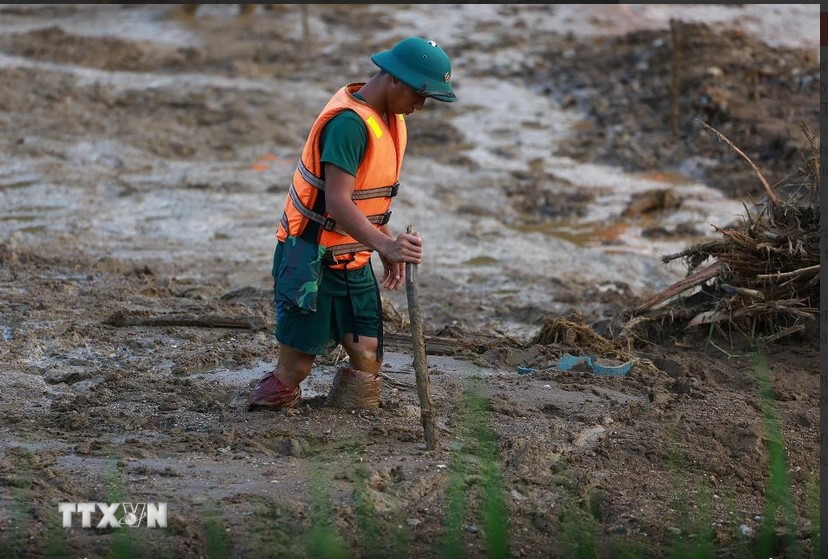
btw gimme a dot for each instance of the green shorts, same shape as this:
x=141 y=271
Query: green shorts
x=318 y=332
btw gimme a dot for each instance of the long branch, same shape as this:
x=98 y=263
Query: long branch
x=788 y=274
x=759 y=174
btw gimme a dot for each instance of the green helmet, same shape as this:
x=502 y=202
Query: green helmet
x=421 y=64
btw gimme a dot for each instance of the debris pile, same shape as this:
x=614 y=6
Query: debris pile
x=760 y=279
x=572 y=331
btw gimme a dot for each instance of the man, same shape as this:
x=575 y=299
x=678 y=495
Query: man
x=336 y=215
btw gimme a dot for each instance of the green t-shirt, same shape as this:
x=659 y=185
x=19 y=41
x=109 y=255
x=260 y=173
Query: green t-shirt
x=343 y=142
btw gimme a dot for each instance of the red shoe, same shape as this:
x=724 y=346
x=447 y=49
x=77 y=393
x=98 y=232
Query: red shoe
x=272 y=394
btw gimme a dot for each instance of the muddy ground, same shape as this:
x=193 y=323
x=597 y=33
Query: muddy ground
x=129 y=347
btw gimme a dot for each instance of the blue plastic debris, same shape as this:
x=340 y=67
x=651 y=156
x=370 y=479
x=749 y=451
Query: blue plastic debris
x=568 y=361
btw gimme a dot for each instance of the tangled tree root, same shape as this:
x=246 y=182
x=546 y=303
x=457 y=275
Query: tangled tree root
x=759 y=279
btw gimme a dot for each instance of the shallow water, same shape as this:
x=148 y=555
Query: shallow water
x=398 y=366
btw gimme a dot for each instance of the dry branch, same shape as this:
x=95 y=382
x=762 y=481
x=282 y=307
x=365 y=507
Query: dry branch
x=681 y=286
x=762 y=179
x=779 y=275
x=121 y=319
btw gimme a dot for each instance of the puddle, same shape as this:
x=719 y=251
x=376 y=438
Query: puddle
x=23 y=218
x=32 y=229
x=667 y=177
x=38 y=446
x=576 y=232
x=128 y=22
x=480 y=261
x=120 y=81
x=28 y=215
x=19 y=182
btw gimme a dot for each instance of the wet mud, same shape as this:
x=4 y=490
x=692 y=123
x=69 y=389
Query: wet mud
x=144 y=172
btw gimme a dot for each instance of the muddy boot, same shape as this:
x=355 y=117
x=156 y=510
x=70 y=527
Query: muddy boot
x=354 y=389
x=270 y=393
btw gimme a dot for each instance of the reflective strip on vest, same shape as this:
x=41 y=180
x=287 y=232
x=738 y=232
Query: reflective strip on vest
x=327 y=223
x=337 y=250
x=375 y=128
x=350 y=248
x=378 y=192
x=310 y=177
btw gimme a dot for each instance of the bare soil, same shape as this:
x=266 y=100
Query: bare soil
x=125 y=375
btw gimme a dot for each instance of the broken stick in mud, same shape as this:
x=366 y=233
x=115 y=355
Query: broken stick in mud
x=420 y=364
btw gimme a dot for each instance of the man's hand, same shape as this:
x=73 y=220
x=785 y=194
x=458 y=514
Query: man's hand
x=410 y=248
x=394 y=252
x=407 y=247
x=393 y=276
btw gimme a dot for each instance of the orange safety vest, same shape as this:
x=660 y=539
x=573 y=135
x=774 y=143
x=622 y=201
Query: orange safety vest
x=377 y=179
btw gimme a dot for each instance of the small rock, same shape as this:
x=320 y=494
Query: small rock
x=295 y=448
x=714 y=72
x=169 y=405
x=410 y=410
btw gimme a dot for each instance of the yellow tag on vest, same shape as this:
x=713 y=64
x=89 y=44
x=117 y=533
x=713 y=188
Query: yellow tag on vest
x=374 y=126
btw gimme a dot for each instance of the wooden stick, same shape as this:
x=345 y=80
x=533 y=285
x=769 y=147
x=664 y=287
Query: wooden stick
x=700 y=276
x=427 y=417
x=786 y=332
x=778 y=275
x=674 y=74
x=207 y=321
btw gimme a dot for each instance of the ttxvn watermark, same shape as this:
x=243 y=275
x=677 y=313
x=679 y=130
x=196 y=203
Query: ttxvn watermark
x=114 y=515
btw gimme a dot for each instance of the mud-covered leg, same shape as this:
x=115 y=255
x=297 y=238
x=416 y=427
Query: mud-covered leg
x=360 y=385
x=362 y=354
x=279 y=388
